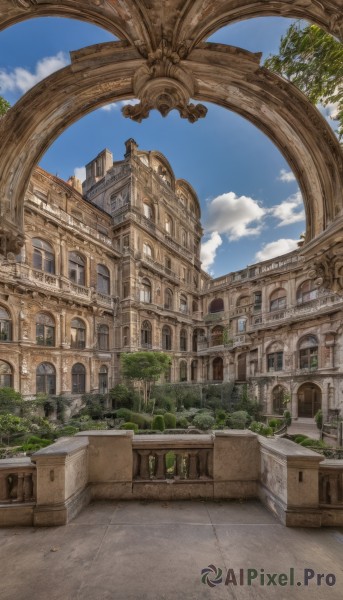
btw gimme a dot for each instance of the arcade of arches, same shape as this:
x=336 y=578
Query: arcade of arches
x=69 y=304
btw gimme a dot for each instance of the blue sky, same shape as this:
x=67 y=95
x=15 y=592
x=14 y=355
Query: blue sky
x=251 y=206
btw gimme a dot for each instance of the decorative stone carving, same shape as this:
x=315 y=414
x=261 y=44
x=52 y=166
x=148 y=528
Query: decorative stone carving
x=164 y=84
x=327 y=270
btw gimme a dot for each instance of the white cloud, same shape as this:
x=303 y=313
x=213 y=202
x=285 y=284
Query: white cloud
x=276 y=248
x=80 y=173
x=21 y=80
x=289 y=211
x=209 y=250
x=286 y=176
x=116 y=105
x=109 y=107
x=236 y=216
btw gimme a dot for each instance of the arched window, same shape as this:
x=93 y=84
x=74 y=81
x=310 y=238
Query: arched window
x=78 y=379
x=194 y=370
x=43 y=256
x=78 y=334
x=146 y=334
x=166 y=338
x=45 y=330
x=103 y=380
x=217 y=336
x=217 y=305
x=145 y=292
x=168 y=225
x=278 y=395
x=308 y=352
x=77 y=268
x=275 y=357
x=218 y=370
x=103 y=280
x=307 y=292
x=6 y=374
x=277 y=300
x=183 y=370
x=46 y=379
x=183 y=304
x=103 y=337
x=147 y=250
x=168 y=299
x=147 y=211
x=5 y=325
x=195 y=306
x=183 y=340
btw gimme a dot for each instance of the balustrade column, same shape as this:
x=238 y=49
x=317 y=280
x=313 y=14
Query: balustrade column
x=4 y=488
x=20 y=488
x=144 y=471
x=333 y=482
x=160 y=470
x=203 y=457
x=193 y=464
x=28 y=487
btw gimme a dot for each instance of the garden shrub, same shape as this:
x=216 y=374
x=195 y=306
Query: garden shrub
x=300 y=438
x=288 y=418
x=261 y=428
x=131 y=426
x=239 y=419
x=143 y=421
x=203 y=421
x=182 y=422
x=158 y=423
x=275 y=423
x=169 y=420
x=318 y=417
x=124 y=413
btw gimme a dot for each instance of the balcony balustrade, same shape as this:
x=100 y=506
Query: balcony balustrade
x=331 y=483
x=17 y=481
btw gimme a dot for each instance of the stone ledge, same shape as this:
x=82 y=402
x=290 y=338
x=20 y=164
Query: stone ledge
x=63 y=447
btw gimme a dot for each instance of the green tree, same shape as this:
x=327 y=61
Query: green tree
x=144 y=367
x=10 y=401
x=4 y=106
x=312 y=60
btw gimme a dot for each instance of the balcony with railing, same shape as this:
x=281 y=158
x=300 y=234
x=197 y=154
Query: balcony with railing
x=325 y=302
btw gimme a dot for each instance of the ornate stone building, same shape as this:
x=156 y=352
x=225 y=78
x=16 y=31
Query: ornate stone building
x=115 y=267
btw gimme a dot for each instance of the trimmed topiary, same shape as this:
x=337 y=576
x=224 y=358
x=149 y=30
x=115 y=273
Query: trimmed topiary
x=124 y=413
x=158 y=423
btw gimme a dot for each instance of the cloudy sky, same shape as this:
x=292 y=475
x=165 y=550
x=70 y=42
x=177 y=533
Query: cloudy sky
x=251 y=206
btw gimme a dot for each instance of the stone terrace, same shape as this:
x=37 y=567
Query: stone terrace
x=140 y=550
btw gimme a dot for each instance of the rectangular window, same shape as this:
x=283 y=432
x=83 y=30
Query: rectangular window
x=275 y=361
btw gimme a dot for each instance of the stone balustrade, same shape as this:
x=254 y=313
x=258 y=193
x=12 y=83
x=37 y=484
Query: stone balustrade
x=331 y=483
x=17 y=481
x=295 y=483
x=154 y=459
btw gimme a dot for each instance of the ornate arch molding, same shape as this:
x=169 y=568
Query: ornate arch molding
x=224 y=75
x=183 y=23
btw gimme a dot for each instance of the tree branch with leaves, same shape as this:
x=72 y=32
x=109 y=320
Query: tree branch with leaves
x=313 y=60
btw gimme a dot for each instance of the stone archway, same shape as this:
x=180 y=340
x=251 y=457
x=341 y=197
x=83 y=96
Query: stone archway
x=309 y=400
x=164 y=72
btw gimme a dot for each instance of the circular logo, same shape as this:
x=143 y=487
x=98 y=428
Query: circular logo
x=211 y=575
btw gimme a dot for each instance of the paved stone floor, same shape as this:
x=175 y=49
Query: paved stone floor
x=156 y=551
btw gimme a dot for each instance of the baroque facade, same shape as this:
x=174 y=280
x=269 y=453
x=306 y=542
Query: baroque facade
x=114 y=266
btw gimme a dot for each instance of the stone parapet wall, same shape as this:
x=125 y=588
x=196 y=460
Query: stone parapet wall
x=295 y=483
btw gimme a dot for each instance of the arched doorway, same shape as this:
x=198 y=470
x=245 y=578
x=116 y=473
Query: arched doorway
x=309 y=400
x=218 y=369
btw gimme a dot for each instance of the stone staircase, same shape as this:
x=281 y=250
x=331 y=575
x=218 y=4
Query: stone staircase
x=304 y=426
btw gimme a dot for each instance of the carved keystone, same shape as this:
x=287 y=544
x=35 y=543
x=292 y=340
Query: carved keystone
x=162 y=83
